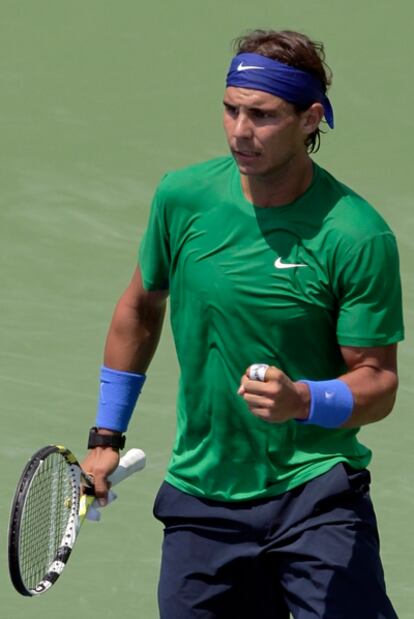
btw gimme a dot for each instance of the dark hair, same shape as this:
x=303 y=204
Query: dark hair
x=294 y=49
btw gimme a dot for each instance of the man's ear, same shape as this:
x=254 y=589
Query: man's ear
x=312 y=117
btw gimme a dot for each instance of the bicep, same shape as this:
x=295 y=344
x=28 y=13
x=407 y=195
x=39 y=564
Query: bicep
x=135 y=327
x=377 y=357
x=368 y=292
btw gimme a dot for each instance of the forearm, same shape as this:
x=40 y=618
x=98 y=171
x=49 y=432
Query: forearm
x=373 y=380
x=374 y=392
x=131 y=342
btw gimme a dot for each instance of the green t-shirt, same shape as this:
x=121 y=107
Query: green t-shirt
x=232 y=305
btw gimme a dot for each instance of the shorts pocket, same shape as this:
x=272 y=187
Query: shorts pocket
x=158 y=501
x=359 y=479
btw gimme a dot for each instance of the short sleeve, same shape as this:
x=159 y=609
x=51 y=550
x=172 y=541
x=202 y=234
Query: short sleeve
x=369 y=294
x=154 y=252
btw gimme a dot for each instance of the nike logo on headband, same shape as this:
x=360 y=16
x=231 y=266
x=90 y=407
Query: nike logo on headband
x=247 y=67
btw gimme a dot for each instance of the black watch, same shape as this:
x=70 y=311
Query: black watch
x=117 y=441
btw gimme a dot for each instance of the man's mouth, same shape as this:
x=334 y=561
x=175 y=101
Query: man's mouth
x=245 y=154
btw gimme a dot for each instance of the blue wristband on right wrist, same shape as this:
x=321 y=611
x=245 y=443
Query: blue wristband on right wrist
x=118 y=395
x=331 y=403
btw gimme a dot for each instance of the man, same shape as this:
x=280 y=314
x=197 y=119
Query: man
x=286 y=312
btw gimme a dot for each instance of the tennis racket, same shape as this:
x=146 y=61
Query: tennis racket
x=47 y=512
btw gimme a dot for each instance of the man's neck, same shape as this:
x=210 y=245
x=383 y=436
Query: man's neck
x=281 y=186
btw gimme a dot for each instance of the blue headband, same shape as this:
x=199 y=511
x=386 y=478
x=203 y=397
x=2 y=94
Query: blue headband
x=293 y=85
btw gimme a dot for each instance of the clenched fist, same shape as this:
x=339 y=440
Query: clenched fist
x=277 y=398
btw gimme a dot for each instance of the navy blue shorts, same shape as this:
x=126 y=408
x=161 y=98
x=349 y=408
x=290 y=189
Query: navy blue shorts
x=312 y=552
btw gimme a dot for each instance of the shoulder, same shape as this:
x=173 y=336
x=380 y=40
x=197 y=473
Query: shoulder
x=349 y=215
x=186 y=193
x=195 y=178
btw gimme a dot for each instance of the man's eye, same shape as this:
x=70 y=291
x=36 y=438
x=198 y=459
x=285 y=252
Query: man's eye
x=230 y=109
x=261 y=114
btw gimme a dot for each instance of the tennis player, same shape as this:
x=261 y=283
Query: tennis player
x=286 y=311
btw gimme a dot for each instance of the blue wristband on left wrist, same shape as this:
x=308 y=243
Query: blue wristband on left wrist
x=118 y=395
x=331 y=403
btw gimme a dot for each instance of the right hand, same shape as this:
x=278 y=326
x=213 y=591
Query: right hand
x=275 y=399
x=99 y=464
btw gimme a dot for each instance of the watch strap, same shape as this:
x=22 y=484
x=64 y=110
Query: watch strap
x=116 y=441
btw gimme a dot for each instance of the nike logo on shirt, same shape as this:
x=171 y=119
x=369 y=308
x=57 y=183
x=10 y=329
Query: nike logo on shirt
x=247 y=67
x=287 y=265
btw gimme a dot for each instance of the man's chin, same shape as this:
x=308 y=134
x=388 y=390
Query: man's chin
x=249 y=166
x=249 y=170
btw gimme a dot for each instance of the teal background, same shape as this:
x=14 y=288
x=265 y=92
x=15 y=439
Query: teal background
x=98 y=99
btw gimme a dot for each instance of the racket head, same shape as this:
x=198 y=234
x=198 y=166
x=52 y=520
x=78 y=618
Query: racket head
x=44 y=519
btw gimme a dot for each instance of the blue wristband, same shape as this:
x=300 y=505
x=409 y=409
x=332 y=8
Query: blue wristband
x=331 y=403
x=118 y=395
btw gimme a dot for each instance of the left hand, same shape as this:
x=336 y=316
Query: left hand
x=277 y=399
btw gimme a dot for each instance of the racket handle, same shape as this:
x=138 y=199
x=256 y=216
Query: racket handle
x=134 y=460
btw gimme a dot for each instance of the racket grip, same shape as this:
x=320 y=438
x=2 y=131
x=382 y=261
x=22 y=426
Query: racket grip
x=132 y=462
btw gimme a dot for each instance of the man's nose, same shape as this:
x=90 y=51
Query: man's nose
x=242 y=127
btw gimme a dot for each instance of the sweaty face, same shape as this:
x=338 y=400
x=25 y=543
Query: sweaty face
x=263 y=131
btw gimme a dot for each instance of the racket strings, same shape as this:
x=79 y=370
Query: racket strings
x=47 y=511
